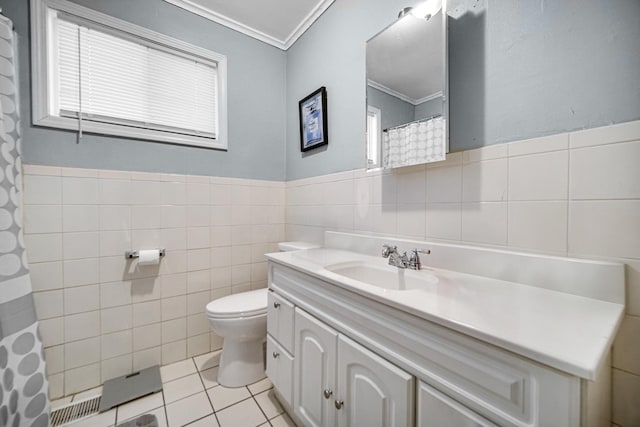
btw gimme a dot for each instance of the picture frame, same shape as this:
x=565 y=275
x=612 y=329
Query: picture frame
x=313 y=120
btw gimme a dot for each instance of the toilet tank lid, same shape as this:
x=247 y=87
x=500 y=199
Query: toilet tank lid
x=248 y=303
x=296 y=246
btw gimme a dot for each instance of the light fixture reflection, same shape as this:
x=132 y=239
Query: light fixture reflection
x=424 y=10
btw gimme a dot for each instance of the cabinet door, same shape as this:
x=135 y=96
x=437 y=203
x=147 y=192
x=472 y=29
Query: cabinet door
x=438 y=410
x=280 y=320
x=372 y=391
x=314 y=370
x=280 y=369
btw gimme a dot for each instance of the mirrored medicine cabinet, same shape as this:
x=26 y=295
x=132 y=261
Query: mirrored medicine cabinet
x=407 y=89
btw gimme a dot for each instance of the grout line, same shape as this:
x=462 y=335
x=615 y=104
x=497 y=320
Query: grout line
x=507 y=199
x=625 y=371
x=164 y=406
x=461 y=200
x=259 y=407
x=568 y=202
x=118 y=410
x=205 y=390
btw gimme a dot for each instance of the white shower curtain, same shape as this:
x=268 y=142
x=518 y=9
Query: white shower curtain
x=414 y=143
x=23 y=384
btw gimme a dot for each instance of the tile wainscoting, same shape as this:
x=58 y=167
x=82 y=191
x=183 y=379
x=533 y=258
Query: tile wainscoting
x=103 y=316
x=573 y=194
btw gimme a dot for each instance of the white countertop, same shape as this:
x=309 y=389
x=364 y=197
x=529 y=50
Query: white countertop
x=568 y=332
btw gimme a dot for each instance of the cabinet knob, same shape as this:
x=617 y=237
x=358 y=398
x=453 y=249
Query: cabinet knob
x=339 y=404
x=327 y=393
x=276 y=354
x=276 y=304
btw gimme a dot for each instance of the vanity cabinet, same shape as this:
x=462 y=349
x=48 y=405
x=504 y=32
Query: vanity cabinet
x=347 y=360
x=339 y=382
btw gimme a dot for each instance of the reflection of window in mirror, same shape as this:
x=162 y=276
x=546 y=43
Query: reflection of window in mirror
x=374 y=138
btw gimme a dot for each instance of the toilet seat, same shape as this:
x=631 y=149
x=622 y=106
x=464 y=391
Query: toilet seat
x=244 y=304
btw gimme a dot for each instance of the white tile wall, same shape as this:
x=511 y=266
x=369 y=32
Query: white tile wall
x=79 y=223
x=539 y=176
x=575 y=194
x=540 y=226
x=606 y=172
x=485 y=181
x=572 y=194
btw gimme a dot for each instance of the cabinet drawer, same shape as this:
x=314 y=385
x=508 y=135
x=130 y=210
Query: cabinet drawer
x=280 y=369
x=437 y=410
x=280 y=314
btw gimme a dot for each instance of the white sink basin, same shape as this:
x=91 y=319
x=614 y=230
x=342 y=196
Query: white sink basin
x=384 y=276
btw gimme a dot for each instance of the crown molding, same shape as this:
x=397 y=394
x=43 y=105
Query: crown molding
x=402 y=96
x=308 y=20
x=221 y=19
x=433 y=96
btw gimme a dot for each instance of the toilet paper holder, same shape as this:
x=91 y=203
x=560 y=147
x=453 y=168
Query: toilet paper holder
x=135 y=254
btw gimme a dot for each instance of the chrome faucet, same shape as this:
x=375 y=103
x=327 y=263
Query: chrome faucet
x=395 y=258
x=402 y=261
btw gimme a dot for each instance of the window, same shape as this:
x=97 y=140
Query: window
x=96 y=73
x=374 y=138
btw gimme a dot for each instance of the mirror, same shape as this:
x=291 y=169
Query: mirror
x=407 y=88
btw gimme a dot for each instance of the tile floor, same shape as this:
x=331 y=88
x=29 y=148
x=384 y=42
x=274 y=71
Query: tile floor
x=191 y=396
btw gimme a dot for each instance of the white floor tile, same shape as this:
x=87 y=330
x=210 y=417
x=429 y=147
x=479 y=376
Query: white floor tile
x=282 y=421
x=140 y=406
x=260 y=386
x=189 y=409
x=244 y=414
x=207 y=361
x=105 y=419
x=210 y=377
x=209 y=421
x=177 y=370
x=221 y=397
x=269 y=404
x=182 y=387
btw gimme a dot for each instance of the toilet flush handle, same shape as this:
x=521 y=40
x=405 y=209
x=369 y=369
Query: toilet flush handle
x=276 y=304
x=276 y=354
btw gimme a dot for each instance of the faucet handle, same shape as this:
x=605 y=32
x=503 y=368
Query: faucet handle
x=414 y=261
x=388 y=250
x=421 y=251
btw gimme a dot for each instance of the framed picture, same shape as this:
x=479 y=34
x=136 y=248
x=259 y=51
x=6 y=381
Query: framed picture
x=313 y=120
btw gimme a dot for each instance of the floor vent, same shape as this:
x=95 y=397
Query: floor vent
x=75 y=411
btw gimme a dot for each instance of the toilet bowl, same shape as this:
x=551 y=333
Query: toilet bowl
x=241 y=320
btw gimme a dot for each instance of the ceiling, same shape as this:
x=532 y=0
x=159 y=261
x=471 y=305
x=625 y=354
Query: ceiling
x=276 y=22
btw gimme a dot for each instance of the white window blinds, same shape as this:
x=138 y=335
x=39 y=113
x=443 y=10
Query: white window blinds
x=131 y=82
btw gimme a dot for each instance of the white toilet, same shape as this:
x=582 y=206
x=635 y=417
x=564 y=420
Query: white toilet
x=241 y=320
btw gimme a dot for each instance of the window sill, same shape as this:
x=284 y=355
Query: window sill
x=109 y=129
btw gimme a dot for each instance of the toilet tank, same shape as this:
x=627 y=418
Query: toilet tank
x=295 y=246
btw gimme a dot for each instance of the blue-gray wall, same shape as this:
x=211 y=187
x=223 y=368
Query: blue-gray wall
x=393 y=110
x=518 y=69
x=256 y=102
x=428 y=109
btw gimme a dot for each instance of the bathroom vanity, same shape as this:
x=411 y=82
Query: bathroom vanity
x=478 y=337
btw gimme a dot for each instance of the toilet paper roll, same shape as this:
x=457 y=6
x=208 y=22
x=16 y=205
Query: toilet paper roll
x=149 y=257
